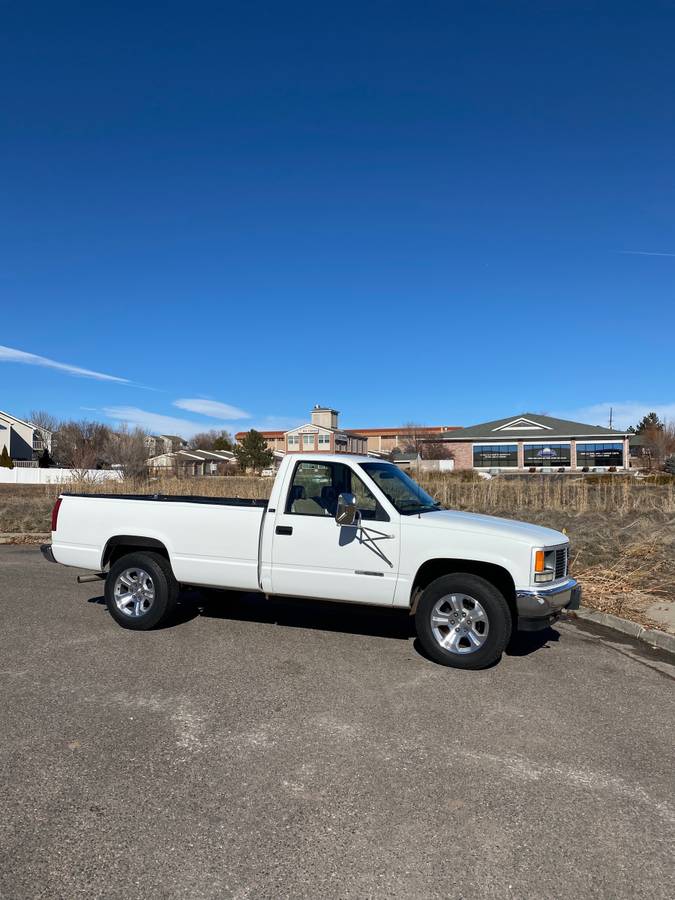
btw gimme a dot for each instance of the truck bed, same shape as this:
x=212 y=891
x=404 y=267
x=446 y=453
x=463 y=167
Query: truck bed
x=211 y=541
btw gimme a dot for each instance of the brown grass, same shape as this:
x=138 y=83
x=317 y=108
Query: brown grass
x=622 y=530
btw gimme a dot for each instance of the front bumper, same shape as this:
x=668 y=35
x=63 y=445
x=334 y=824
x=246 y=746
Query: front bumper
x=540 y=608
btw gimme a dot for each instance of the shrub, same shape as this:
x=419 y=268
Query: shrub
x=6 y=459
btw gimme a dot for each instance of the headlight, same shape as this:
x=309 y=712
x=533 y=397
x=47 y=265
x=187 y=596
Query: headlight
x=544 y=565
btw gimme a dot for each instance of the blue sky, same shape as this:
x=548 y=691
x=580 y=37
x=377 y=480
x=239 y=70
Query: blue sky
x=432 y=212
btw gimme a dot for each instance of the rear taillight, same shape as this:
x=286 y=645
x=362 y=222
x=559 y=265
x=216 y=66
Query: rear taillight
x=55 y=514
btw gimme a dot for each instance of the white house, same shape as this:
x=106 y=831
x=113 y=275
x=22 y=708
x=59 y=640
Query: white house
x=24 y=440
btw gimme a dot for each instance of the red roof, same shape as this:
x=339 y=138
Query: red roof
x=405 y=429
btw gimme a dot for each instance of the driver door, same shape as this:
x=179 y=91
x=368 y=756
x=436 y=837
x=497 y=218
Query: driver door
x=313 y=556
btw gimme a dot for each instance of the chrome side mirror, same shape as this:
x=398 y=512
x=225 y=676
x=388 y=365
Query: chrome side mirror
x=347 y=511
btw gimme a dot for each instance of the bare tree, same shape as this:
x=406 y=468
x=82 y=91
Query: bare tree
x=212 y=440
x=411 y=436
x=126 y=450
x=44 y=420
x=81 y=445
x=659 y=441
x=47 y=427
x=435 y=450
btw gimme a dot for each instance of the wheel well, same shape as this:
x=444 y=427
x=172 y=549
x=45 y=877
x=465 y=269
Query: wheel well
x=434 y=568
x=124 y=543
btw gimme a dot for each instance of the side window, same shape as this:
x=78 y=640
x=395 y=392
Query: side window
x=312 y=492
x=316 y=487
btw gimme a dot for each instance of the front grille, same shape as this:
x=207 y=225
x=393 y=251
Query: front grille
x=561 y=562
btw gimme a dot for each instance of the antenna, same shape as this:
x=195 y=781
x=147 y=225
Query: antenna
x=610 y=418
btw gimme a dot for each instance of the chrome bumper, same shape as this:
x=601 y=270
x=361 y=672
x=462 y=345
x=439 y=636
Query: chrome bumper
x=538 y=608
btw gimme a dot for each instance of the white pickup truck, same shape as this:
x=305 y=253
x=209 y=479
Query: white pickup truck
x=336 y=527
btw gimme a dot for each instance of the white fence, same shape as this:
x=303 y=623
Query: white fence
x=19 y=475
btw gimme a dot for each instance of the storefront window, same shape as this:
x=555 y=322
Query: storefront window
x=610 y=454
x=495 y=456
x=547 y=455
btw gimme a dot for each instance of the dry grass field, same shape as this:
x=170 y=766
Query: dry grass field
x=622 y=529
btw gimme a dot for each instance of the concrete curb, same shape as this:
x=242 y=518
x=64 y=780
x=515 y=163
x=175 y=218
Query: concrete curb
x=651 y=636
x=25 y=537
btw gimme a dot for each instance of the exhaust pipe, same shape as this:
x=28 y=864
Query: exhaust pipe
x=95 y=576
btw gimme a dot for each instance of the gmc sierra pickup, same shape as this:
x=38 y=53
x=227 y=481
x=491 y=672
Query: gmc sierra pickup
x=336 y=527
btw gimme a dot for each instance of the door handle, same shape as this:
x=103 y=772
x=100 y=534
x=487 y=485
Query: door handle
x=284 y=529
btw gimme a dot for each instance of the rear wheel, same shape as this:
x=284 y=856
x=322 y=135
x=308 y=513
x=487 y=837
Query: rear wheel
x=140 y=590
x=463 y=621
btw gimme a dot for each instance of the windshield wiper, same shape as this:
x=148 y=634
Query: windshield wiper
x=423 y=507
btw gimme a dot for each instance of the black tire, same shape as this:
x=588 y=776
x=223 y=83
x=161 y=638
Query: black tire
x=164 y=589
x=479 y=632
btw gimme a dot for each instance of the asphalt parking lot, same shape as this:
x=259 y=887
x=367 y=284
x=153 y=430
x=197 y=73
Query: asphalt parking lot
x=275 y=748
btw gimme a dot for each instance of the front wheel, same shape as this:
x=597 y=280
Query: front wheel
x=140 y=590
x=463 y=621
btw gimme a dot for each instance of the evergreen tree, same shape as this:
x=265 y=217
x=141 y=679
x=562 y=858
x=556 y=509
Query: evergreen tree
x=6 y=459
x=45 y=460
x=253 y=452
x=649 y=422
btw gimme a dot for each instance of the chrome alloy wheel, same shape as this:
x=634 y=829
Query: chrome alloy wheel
x=459 y=623
x=134 y=592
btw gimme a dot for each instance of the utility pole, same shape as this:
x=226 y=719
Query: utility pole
x=610 y=418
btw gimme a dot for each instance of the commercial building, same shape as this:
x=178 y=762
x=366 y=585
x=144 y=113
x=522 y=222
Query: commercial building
x=541 y=443
x=323 y=435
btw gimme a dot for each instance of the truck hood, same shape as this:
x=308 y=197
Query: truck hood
x=522 y=532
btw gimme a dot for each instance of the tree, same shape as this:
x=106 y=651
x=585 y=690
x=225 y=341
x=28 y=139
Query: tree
x=126 y=450
x=82 y=445
x=412 y=436
x=6 y=459
x=212 y=440
x=650 y=421
x=436 y=450
x=253 y=452
x=46 y=427
x=45 y=460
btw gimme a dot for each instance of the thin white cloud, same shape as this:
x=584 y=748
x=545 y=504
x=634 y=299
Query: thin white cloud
x=647 y=252
x=156 y=423
x=624 y=412
x=212 y=408
x=9 y=354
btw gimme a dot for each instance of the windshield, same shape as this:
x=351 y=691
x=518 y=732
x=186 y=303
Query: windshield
x=404 y=493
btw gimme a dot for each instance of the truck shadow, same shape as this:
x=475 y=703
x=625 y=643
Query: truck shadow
x=324 y=615
x=319 y=615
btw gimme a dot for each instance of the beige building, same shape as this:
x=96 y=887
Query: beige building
x=24 y=440
x=323 y=435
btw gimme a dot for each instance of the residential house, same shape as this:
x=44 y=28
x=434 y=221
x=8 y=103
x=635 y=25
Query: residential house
x=164 y=443
x=24 y=440
x=191 y=462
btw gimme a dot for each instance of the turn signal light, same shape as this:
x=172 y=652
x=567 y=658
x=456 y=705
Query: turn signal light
x=539 y=560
